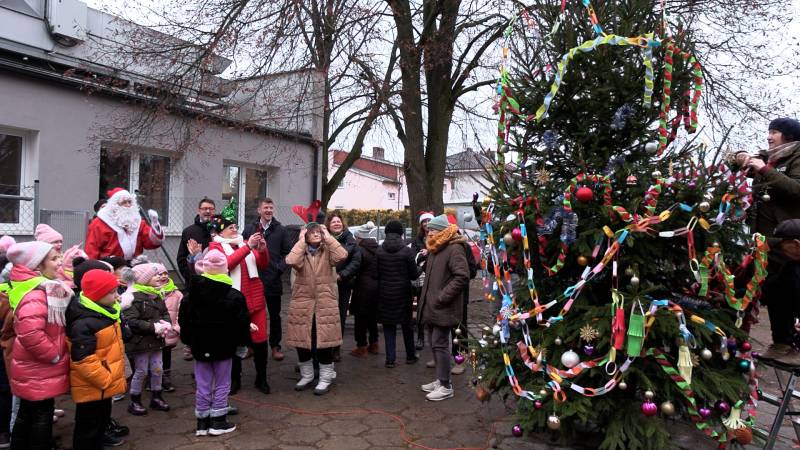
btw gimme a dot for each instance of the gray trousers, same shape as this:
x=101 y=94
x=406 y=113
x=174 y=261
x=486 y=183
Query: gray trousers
x=439 y=337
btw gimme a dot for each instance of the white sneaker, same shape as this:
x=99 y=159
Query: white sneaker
x=440 y=393
x=430 y=387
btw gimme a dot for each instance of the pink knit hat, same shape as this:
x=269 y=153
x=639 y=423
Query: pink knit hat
x=72 y=253
x=46 y=233
x=28 y=254
x=6 y=242
x=214 y=263
x=144 y=272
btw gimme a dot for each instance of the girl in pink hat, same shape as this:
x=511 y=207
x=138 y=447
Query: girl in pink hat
x=46 y=233
x=39 y=355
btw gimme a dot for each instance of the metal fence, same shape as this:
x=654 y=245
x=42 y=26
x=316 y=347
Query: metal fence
x=19 y=209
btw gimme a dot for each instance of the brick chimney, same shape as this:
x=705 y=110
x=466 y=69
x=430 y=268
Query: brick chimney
x=378 y=153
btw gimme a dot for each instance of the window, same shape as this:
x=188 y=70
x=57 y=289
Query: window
x=252 y=182
x=391 y=195
x=146 y=175
x=444 y=188
x=10 y=177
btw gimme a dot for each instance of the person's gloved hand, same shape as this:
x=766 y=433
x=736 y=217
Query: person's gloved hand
x=154 y=223
x=161 y=327
x=241 y=352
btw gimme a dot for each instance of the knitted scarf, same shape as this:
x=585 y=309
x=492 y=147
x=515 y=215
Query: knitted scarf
x=782 y=151
x=58 y=296
x=249 y=260
x=440 y=241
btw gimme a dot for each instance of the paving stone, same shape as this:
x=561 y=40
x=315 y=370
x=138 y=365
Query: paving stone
x=342 y=427
x=383 y=438
x=301 y=435
x=344 y=443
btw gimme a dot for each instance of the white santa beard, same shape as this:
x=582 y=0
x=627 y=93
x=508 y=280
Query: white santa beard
x=125 y=217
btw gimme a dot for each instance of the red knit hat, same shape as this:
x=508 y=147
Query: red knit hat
x=96 y=283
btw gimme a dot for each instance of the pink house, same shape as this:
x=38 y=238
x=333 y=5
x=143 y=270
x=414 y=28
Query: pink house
x=372 y=183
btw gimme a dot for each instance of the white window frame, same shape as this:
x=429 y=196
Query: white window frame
x=173 y=208
x=28 y=170
x=243 y=186
x=392 y=195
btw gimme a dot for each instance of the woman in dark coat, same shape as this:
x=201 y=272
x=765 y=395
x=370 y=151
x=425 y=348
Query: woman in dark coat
x=420 y=254
x=365 y=294
x=346 y=270
x=396 y=269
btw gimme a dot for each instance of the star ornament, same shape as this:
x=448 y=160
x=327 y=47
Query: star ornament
x=542 y=176
x=588 y=333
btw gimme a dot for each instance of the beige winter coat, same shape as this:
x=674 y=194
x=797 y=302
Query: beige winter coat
x=314 y=294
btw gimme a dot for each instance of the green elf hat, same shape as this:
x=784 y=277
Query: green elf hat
x=225 y=218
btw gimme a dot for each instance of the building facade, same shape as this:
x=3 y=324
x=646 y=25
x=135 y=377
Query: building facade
x=67 y=129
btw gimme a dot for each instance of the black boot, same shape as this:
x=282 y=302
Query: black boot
x=157 y=402
x=136 y=407
x=220 y=425
x=203 y=424
x=337 y=354
x=166 y=381
x=117 y=429
x=260 y=356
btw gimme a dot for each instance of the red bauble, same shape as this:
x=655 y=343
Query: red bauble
x=584 y=194
x=516 y=234
x=649 y=408
x=746 y=347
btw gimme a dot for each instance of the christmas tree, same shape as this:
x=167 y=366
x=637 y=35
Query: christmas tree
x=619 y=259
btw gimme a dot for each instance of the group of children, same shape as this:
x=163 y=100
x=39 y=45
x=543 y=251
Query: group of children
x=81 y=325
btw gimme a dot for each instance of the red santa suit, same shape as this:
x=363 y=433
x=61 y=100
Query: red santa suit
x=108 y=237
x=243 y=265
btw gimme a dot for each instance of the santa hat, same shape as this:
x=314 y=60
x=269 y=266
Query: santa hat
x=97 y=283
x=425 y=215
x=28 y=254
x=6 y=242
x=70 y=255
x=145 y=272
x=214 y=263
x=117 y=194
x=46 y=233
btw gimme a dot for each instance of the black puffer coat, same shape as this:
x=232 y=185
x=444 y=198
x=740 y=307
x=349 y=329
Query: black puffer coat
x=214 y=320
x=348 y=268
x=365 y=291
x=396 y=269
x=140 y=317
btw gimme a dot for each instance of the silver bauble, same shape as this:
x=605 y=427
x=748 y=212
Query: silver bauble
x=558 y=341
x=651 y=147
x=635 y=282
x=456 y=341
x=508 y=239
x=496 y=330
x=622 y=385
x=553 y=422
x=704 y=206
x=706 y=354
x=629 y=272
x=656 y=174
x=458 y=331
x=570 y=359
x=766 y=197
x=649 y=394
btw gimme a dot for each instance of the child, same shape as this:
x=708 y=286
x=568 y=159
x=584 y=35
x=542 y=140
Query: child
x=214 y=322
x=39 y=369
x=97 y=370
x=148 y=320
x=172 y=298
x=66 y=272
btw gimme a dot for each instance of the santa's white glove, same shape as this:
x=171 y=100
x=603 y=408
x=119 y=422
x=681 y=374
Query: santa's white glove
x=253 y=327
x=154 y=223
x=241 y=352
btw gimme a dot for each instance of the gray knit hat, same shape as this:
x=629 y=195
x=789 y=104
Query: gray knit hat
x=363 y=231
x=439 y=223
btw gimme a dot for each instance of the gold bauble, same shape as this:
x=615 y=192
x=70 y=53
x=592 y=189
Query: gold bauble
x=582 y=260
x=667 y=408
x=553 y=422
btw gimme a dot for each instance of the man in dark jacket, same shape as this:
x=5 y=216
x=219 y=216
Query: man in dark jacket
x=197 y=233
x=441 y=304
x=278 y=245
x=776 y=189
x=363 y=304
x=396 y=270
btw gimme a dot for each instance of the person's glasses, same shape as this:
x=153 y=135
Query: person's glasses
x=208 y=208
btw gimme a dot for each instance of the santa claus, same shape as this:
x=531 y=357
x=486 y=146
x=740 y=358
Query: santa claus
x=118 y=230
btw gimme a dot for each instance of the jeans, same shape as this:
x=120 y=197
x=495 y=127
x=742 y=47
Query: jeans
x=439 y=337
x=213 y=379
x=390 y=338
x=274 y=310
x=144 y=363
x=366 y=323
x=91 y=421
x=33 y=429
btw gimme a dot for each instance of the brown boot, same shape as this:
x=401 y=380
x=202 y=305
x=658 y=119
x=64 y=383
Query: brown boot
x=277 y=354
x=373 y=348
x=359 y=352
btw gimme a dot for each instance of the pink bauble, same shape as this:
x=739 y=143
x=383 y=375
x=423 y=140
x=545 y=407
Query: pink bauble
x=516 y=430
x=704 y=412
x=722 y=406
x=516 y=234
x=649 y=409
x=459 y=359
x=584 y=194
x=538 y=404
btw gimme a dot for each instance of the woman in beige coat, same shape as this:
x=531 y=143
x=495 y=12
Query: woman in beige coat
x=313 y=319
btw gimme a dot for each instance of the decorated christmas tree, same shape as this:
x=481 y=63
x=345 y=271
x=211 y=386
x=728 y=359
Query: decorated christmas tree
x=619 y=259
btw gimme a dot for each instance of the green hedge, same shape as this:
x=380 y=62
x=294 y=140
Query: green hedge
x=355 y=217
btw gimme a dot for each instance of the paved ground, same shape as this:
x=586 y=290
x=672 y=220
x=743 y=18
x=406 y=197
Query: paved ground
x=369 y=407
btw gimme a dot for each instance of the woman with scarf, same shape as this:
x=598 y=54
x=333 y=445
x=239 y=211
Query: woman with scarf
x=776 y=195
x=346 y=270
x=441 y=300
x=245 y=259
x=39 y=355
x=313 y=319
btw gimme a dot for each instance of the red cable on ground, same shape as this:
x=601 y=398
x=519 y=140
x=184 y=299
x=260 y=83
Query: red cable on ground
x=394 y=417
